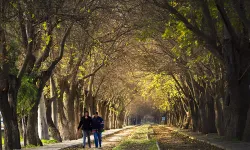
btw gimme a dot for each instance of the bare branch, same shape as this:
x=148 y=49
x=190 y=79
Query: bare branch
x=95 y=71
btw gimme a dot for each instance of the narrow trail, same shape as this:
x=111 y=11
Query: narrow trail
x=108 y=143
x=170 y=140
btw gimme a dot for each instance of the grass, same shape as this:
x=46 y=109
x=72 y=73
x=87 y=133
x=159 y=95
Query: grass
x=138 y=140
x=49 y=141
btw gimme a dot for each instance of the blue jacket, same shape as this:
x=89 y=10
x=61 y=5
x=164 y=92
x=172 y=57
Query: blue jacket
x=97 y=123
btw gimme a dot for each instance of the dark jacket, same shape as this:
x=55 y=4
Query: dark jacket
x=85 y=123
x=97 y=123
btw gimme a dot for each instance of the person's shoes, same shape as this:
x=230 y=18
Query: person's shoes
x=83 y=146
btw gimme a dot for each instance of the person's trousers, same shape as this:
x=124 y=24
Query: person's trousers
x=86 y=133
x=98 y=139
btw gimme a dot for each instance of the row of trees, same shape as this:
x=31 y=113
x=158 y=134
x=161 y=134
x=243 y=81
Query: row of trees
x=199 y=53
x=59 y=58
x=189 y=59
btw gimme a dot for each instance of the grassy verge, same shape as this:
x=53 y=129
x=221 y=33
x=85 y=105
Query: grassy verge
x=138 y=140
x=32 y=146
x=49 y=141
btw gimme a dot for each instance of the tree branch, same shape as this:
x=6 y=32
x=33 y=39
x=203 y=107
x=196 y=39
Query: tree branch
x=212 y=45
x=227 y=22
x=209 y=19
x=95 y=71
x=22 y=26
x=239 y=8
x=46 y=74
x=45 y=54
x=28 y=54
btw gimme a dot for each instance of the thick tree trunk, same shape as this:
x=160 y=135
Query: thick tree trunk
x=233 y=102
x=238 y=95
x=62 y=120
x=24 y=126
x=42 y=120
x=194 y=115
x=245 y=111
x=219 y=117
x=70 y=114
x=66 y=111
x=32 y=128
x=187 y=121
x=54 y=111
x=246 y=135
x=8 y=102
x=89 y=97
x=107 y=122
x=103 y=110
x=121 y=119
x=211 y=115
x=54 y=132
x=112 y=119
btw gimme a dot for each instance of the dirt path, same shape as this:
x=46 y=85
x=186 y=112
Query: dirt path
x=108 y=142
x=169 y=140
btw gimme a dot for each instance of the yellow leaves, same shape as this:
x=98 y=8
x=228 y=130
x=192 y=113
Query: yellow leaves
x=29 y=40
x=44 y=25
x=159 y=88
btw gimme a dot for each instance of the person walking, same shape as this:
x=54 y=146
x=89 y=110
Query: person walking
x=85 y=124
x=97 y=126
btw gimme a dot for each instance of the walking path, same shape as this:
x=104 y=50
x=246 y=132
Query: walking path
x=213 y=139
x=74 y=143
x=109 y=142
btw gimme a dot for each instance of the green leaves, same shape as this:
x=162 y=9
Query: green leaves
x=26 y=96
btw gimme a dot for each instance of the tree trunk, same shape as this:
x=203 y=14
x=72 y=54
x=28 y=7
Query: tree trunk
x=246 y=135
x=203 y=114
x=219 y=117
x=107 y=122
x=8 y=102
x=112 y=119
x=62 y=120
x=54 y=111
x=187 y=121
x=232 y=102
x=32 y=128
x=89 y=97
x=121 y=119
x=194 y=115
x=42 y=120
x=211 y=115
x=24 y=125
x=245 y=111
x=54 y=132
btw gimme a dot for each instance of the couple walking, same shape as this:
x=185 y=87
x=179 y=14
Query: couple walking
x=88 y=125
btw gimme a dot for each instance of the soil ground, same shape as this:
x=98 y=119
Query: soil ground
x=170 y=140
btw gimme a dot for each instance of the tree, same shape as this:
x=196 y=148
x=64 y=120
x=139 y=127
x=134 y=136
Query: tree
x=221 y=35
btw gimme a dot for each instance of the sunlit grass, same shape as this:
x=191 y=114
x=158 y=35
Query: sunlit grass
x=49 y=141
x=138 y=140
